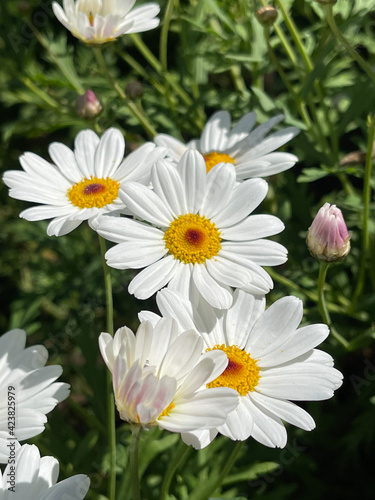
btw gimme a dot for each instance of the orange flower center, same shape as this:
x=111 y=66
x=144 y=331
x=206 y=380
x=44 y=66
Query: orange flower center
x=241 y=373
x=214 y=158
x=192 y=239
x=93 y=192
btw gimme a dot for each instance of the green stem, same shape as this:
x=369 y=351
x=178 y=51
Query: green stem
x=301 y=105
x=213 y=484
x=156 y=64
x=40 y=93
x=237 y=78
x=322 y=302
x=333 y=150
x=177 y=460
x=323 y=306
x=366 y=211
x=72 y=78
x=140 y=70
x=163 y=51
x=295 y=35
x=134 y=466
x=137 y=113
x=110 y=400
x=346 y=44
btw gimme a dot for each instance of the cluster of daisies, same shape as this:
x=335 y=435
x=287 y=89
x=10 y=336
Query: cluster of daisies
x=215 y=360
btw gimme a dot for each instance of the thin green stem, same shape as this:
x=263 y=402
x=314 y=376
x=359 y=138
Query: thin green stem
x=134 y=466
x=137 y=113
x=140 y=70
x=332 y=151
x=156 y=64
x=178 y=459
x=301 y=105
x=237 y=78
x=40 y=93
x=212 y=484
x=69 y=75
x=366 y=211
x=322 y=302
x=111 y=422
x=323 y=306
x=295 y=35
x=346 y=44
x=163 y=50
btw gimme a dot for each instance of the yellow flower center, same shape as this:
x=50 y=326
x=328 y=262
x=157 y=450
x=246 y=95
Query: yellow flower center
x=167 y=410
x=192 y=239
x=214 y=158
x=93 y=192
x=242 y=372
x=91 y=19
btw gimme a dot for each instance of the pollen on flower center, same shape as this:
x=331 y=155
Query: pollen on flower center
x=93 y=192
x=214 y=158
x=192 y=239
x=241 y=373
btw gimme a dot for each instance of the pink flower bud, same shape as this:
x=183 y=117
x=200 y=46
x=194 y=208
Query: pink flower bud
x=327 y=238
x=88 y=105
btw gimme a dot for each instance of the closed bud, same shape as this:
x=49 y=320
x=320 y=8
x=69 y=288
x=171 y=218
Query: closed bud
x=327 y=238
x=134 y=89
x=88 y=105
x=266 y=15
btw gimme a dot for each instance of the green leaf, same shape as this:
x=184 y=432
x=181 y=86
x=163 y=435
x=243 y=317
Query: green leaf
x=312 y=174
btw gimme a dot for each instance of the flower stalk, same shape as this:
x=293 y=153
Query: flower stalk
x=134 y=465
x=110 y=400
x=137 y=113
x=366 y=211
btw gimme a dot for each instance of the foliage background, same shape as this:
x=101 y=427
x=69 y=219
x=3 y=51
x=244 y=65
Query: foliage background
x=53 y=287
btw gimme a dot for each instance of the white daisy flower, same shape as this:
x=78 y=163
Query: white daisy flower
x=250 y=151
x=100 y=21
x=160 y=378
x=271 y=362
x=199 y=232
x=28 y=390
x=81 y=184
x=27 y=476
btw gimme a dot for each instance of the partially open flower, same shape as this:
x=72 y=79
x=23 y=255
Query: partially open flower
x=160 y=377
x=88 y=105
x=100 y=21
x=328 y=239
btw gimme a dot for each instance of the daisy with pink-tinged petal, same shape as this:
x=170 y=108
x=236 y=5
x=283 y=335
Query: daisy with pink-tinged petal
x=28 y=390
x=36 y=478
x=198 y=231
x=160 y=377
x=80 y=185
x=250 y=150
x=100 y=21
x=271 y=363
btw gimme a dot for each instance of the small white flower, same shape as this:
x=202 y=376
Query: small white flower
x=82 y=184
x=101 y=21
x=27 y=387
x=250 y=151
x=271 y=362
x=199 y=233
x=160 y=377
x=35 y=478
